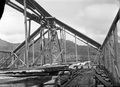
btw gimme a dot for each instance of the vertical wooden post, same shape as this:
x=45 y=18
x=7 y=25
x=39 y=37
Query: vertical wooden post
x=88 y=53
x=29 y=32
x=28 y=40
x=12 y=60
x=49 y=46
x=62 y=45
x=33 y=47
x=44 y=59
x=24 y=58
x=65 y=45
x=41 y=47
x=26 y=34
x=76 y=49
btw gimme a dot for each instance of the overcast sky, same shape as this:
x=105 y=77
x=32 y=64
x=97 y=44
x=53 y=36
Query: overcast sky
x=90 y=17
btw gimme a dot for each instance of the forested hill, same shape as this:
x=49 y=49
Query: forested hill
x=7 y=46
x=70 y=47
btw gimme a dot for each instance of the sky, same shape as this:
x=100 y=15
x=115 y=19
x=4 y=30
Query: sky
x=90 y=17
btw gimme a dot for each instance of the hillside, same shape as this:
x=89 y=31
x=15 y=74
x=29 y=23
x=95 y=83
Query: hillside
x=7 y=46
x=82 y=50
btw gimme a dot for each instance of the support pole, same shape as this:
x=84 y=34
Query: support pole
x=41 y=46
x=49 y=45
x=26 y=34
x=29 y=31
x=65 y=45
x=24 y=57
x=44 y=59
x=12 y=60
x=33 y=46
x=76 y=49
x=61 y=44
x=88 y=54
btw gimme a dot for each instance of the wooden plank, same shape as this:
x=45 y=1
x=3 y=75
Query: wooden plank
x=85 y=79
x=107 y=84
